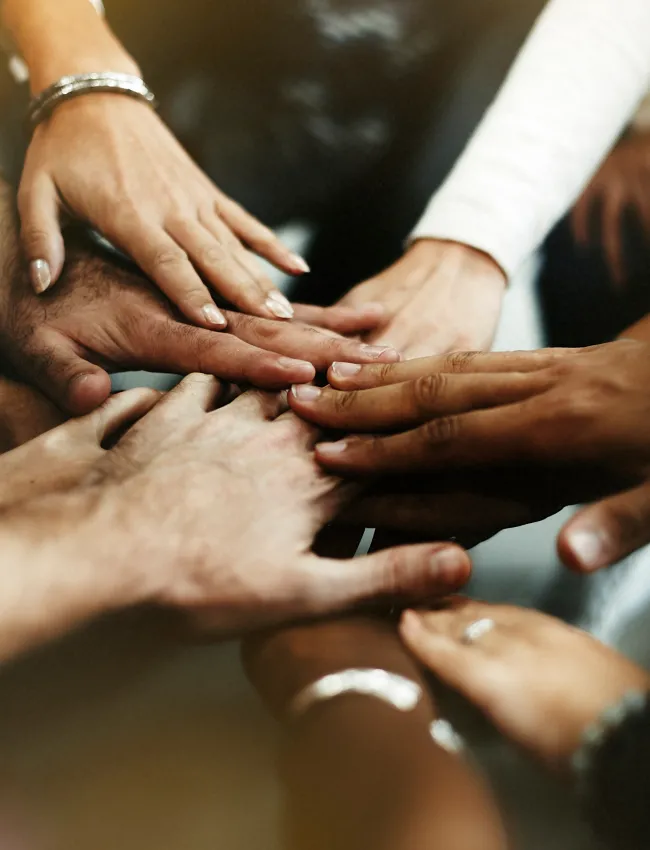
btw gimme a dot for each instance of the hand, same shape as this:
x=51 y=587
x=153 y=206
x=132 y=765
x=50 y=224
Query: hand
x=538 y=680
x=111 y=162
x=622 y=185
x=585 y=408
x=104 y=317
x=199 y=509
x=439 y=297
x=24 y=414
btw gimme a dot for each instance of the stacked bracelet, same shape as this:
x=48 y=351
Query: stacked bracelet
x=67 y=88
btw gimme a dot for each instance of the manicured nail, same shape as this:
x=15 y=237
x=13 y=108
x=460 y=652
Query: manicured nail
x=332 y=449
x=345 y=370
x=386 y=352
x=279 y=305
x=306 y=392
x=588 y=547
x=299 y=263
x=214 y=316
x=41 y=275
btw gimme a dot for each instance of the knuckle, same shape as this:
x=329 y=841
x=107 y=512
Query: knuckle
x=440 y=431
x=164 y=259
x=33 y=237
x=344 y=401
x=425 y=391
x=460 y=361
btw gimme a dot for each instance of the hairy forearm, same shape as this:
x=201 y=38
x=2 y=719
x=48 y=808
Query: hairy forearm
x=61 y=563
x=63 y=37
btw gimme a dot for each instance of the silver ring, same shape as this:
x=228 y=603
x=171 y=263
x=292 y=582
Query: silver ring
x=477 y=629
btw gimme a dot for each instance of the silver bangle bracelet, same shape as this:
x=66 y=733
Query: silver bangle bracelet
x=398 y=691
x=595 y=735
x=70 y=87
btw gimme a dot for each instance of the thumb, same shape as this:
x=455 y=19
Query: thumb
x=117 y=413
x=405 y=573
x=40 y=235
x=601 y=534
x=74 y=384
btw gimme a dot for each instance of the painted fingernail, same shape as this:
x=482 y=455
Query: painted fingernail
x=588 y=547
x=279 y=305
x=214 y=316
x=385 y=352
x=299 y=263
x=345 y=370
x=306 y=392
x=331 y=449
x=41 y=275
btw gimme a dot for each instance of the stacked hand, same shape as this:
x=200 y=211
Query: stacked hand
x=584 y=410
x=102 y=317
x=541 y=682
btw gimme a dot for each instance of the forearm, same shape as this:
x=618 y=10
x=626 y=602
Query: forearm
x=359 y=773
x=63 y=37
x=58 y=568
x=574 y=86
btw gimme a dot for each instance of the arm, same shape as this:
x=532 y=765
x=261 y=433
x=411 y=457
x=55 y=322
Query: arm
x=574 y=86
x=361 y=774
x=66 y=37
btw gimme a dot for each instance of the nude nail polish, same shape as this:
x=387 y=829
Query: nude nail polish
x=214 y=316
x=306 y=392
x=280 y=306
x=41 y=275
x=300 y=264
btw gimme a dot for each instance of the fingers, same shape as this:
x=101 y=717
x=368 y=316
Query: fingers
x=182 y=349
x=325 y=586
x=72 y=383
x=255 y=405
x=222 y=260
x=601 y=534
x=408 y=404
x=118 y=412
x=259 y=238
x=40 y=234
x=198 y=391
x=168 y=265
x=500 y=435
x=458 y=665
x=294 y=340
x=580 y=219
x=346 y=376
x=342 y=320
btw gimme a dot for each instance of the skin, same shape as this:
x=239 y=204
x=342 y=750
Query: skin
x=105 y=317
x=24 y=414
x=585 y=409
x=439 y=297
x=620 y=186
x=360 y=774
x=538 y=680
x=240 y=546
x=110 y=161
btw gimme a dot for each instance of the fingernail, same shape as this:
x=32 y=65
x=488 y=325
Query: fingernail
x=345 y=370
x=410 y=622
x=331 y=449
x=588 y=547
x=445 y=564
x=385 y=352
x=299 y=263
x=290 y=363
x=279 y=306
x=306 y=392
x=41 y=275
x=214 y=316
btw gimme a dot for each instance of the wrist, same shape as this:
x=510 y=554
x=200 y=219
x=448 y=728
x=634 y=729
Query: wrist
x=66 y=563
x=457 y=257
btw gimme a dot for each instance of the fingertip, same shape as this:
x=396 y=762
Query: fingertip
x=87 y=391
x=40 y=275
x=342 y=374
x=296 y=371
x=409 y=624
x=451 y=565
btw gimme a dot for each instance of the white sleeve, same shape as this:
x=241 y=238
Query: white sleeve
x=575 y=84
